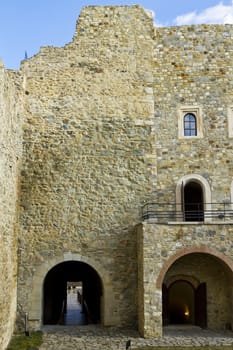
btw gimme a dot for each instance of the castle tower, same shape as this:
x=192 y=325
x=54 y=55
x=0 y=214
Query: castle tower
x=125 y=176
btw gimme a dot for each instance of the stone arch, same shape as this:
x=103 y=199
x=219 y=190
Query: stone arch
x=205 y=188
x=191 y=279
x=212 y=295
x=180 y=303
x=36 y=297
x=203 y=249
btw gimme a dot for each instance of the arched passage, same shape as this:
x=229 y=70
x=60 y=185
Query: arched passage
x=185 y=303
x=58 y=282
x=181 y=303
x=197 y=289
x=36 y=303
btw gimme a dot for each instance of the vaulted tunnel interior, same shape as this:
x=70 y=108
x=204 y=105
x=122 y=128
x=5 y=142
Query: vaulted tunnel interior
x=181 y=303
x=83 y=282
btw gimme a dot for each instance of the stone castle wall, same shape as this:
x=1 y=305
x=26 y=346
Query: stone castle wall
x=101 y=136
x=193 y=67
x=10 y=140
x=203 y=251
x=87 y=150
x=192 y=71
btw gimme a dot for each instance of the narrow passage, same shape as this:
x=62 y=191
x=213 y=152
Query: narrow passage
x=74 y=314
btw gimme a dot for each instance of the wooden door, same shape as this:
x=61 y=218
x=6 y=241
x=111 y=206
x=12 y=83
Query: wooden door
x=165 y=306
x=201 y=306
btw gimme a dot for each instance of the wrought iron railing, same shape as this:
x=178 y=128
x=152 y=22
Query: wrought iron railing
x=190 y=212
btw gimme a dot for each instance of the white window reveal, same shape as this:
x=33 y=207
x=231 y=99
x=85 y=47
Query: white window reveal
x=230 y=121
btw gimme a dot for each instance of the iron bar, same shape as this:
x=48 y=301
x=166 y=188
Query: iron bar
x=191 y=212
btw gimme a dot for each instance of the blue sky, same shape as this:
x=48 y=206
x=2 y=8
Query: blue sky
x=25 y=25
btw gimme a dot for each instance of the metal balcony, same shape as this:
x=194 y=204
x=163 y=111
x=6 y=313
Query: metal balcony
x=188 y=212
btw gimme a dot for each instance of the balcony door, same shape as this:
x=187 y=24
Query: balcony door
x=193 y=205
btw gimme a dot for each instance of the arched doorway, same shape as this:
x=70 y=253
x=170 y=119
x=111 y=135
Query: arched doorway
x=86 y=287
x=193 y=202
x=200 y=285
x=184 y=303
x=193 y=198
x=181 y=303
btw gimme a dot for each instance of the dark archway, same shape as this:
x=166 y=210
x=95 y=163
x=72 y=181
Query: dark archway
x=181 y=303
x=193 y=202
x=184 y=304
x=56 y=282
x=211 y=274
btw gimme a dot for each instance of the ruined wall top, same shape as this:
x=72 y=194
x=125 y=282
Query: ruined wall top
x=99 y=18
x=112 y=21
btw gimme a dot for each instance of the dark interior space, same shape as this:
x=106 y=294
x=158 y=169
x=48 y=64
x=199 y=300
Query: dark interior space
x=193 y=202
x=184 y=304
x=181 y=303
x=55 y=291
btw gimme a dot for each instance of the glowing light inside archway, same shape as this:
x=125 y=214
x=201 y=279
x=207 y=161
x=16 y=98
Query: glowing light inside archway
x=186 y=313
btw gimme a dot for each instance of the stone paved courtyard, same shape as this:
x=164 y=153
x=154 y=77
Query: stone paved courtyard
x=96 y=337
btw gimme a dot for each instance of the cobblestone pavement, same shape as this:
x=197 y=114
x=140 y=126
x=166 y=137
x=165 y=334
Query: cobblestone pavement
x=99 y=338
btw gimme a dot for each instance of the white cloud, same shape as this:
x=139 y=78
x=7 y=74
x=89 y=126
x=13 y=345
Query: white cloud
x=219 y=14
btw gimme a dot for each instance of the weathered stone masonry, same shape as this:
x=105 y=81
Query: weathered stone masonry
x=193 y=68
x=11 y=141
x=101 y=138
x=87 y=154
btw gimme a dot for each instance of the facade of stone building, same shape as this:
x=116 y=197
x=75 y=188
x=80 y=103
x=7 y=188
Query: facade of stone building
x=117 y=175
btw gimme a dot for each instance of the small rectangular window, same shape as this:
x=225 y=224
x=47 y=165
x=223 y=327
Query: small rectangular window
x=190 y=122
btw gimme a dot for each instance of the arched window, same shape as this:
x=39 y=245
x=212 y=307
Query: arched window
x=190 y=125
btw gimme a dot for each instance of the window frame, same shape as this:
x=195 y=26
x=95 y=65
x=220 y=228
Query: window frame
x=184 y=111
x=230 y=121
x=206 y=190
